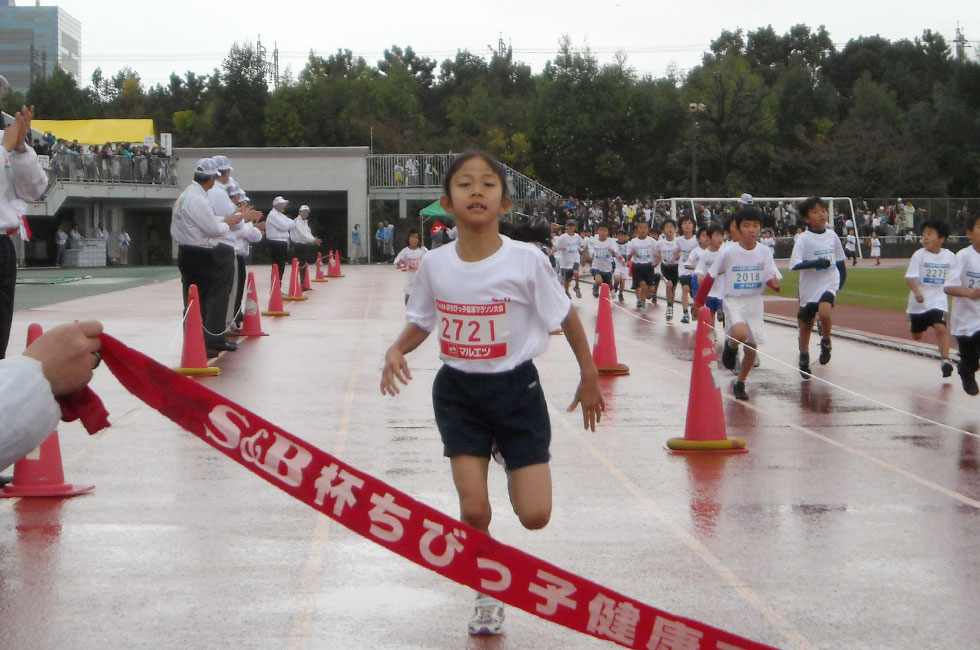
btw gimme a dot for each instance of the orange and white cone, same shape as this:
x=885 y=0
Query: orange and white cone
x=333 y=265
x=295 y=288
x=704 y=431
x=275 y=297
x=40 y=473
x=604 y=343
x=319 y=269
x=194 y=358
x=252 y=322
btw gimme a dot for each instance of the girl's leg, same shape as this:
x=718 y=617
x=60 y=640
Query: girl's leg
x=470 y=477
x=530 y=494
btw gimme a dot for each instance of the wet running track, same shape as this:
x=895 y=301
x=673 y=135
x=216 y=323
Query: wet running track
x=850 y=524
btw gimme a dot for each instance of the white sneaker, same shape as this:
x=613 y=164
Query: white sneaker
x=643 y=309
x=488 y=616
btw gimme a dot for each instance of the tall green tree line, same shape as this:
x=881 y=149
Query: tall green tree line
x=780 y=114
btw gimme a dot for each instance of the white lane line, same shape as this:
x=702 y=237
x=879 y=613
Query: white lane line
x=299 y=629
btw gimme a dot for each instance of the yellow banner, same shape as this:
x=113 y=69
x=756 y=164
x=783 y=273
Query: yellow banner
x=97 y=131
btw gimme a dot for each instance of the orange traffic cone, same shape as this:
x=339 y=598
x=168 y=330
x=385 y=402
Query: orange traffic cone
x=705 y=428
x=275 y=297
x=194 y=359
x=333 y=266
x=305 y=275
x=295 y=288
x=319 y=269
x=40 y=473
x=252 y=323
x=604 y=343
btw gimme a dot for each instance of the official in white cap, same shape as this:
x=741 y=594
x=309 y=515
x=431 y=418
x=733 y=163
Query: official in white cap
x=305 y=244
x=226 y=262
x=250 y=234
x=21 y=180
x=746 y=200
x=202 y=257
x=277 y=229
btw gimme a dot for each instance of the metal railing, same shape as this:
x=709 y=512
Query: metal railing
x=397 y=171
x=90 y=167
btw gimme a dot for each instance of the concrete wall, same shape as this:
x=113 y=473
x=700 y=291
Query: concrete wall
x=271 y=171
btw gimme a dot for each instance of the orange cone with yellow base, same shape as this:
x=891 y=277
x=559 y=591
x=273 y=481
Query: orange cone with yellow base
x=40 y=473
x=252 y=322
x=604 y=343
x=295 y=288
x=275 y=297
x=705 y=431
x=194 y=358
x=319 y=269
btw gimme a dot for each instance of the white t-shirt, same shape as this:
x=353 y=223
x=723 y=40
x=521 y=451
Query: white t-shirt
x=815 y=282
x=692 y=260
x=746 y=271
x=643 y=251
x=706 y=259
x=410 y=259
x=603 y=253
x=491 y=315
x=851 y=243
x=875 y=247
x=668 y=249
x=930 y=271
x=687 y=246
x=569 y=249
x=965 y=320
x=768 y=241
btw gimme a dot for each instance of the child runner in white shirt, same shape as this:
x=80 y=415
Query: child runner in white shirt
x=706 y=258
x=686 y=244
x=642 y=251
x=408 y=260
x=964 y=285
x=569 y=249
x=850 y=247
x=622 y=271
x=492 y=302
x=692 y=261
x=748 y=267
x=670 y=253
x=926 y=277
x=603 y=252
x=875 y=248
x=818 y=256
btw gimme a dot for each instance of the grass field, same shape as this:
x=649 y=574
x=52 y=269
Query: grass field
x=881 y=288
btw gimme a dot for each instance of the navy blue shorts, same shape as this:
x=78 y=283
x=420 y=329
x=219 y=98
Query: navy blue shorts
x=921 y=322
x=670 y=273
x=474 y=410
x=714 y=304
x=809 y=311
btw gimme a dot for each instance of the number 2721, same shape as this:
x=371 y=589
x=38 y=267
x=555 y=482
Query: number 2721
x=463 y=327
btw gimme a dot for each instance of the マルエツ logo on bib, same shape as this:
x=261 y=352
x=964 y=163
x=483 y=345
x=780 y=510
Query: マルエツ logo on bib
x=474 y=332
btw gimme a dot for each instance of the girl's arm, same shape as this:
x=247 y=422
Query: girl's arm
x=395 y=365
x=587 y=394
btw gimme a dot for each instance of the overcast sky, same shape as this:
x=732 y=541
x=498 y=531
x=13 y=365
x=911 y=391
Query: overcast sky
x=157 y=38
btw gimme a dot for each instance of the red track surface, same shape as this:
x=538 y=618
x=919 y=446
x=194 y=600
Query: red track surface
x=849 y=524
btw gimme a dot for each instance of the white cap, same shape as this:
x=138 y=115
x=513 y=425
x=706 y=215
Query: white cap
x=207 y=166
x=304 y=207
x=747 y=199
x=233 y=187
x=279 y=201
x=223 y=164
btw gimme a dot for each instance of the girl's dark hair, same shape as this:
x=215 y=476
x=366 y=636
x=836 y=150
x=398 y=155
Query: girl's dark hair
x=971 y=220
x=804 y=207
x=713 y=228
x=462 y=158
x=408 y=237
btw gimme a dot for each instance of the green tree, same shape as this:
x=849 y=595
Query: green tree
x=58 y=97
